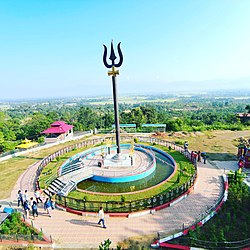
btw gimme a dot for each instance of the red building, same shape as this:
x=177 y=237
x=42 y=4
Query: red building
x=58 y=131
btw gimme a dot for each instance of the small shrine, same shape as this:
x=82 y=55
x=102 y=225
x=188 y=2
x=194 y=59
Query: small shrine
x=58 y=131
x=26 y=144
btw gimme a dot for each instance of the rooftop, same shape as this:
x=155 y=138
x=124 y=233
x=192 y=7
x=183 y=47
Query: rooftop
x=58 y=127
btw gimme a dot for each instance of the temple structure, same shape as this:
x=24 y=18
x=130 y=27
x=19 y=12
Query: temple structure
x=58 y=131
x=26 y=144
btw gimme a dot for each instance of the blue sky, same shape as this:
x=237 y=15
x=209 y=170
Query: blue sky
x=54 y=48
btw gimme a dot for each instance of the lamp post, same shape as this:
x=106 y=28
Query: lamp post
x=113 y=73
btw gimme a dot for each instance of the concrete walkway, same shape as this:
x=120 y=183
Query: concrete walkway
x=70 y=230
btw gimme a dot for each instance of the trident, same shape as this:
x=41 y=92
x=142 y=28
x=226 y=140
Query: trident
x=113 y=73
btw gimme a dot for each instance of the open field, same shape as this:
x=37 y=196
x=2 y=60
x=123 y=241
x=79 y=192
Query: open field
x=132 y=100
x=220 y=145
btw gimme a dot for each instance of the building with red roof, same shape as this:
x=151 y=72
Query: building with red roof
x=58 y=131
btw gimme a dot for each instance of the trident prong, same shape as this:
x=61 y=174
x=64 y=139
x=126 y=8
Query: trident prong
x=113 y=73
x=112 y=56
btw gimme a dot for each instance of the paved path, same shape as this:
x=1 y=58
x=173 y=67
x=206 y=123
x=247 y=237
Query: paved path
x=70 y=230
x=25 y=181
x=232 y=166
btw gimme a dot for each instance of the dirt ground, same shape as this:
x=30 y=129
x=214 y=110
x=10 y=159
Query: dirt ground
x=219 y=145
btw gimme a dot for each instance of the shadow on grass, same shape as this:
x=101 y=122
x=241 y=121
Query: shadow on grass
x=221 y=157
x=29 y=157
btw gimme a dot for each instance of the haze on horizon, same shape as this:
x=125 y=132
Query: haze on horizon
x=54 y=48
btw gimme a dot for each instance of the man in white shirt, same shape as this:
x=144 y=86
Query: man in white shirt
x=26 y=196
x=101 y=217
x=38 y=196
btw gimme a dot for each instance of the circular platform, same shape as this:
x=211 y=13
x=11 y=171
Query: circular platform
x=106 y=167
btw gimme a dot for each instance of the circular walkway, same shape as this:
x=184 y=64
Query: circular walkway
x=69 y=230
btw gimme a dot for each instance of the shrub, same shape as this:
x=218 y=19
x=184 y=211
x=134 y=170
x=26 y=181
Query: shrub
x=179 y=142
x=41 y=139
x=58 y=158
x=136 y=140
x=14 y=225
x=123 y=198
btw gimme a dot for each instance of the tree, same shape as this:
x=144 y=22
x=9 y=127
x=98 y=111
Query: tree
x=35 y=125
x=174 y=125
x=108 y=120
x=137 y=117
x=150 y=114
x=87 y=118
x=248 y=108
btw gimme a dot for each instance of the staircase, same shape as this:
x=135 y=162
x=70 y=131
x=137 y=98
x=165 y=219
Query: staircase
x=67 y=188
x=77 y=175
x=55 y=187
x=67 y=182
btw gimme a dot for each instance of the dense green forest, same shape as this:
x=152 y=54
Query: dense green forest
x=19 y=120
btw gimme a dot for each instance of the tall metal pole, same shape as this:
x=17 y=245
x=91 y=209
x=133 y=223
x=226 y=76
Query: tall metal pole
x=117 y=124
x=113 y=73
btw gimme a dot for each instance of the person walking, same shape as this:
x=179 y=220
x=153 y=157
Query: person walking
x=26 y=196
x=26 y=208
x=19 y=198
x=47 y=206
x=33 y=207
x=53 y=200
x=186 y=146
x=101 y=217
x=199 y=156
x=204 y=158
x=37 y=195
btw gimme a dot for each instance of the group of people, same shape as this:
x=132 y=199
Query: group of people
x=31 y=204
x=196 y=156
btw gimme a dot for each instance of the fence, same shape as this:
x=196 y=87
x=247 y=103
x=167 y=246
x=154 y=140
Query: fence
x=127 y=206
x=18 y=152
x=21 y=237
x=15 y=151
x=164 y=237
